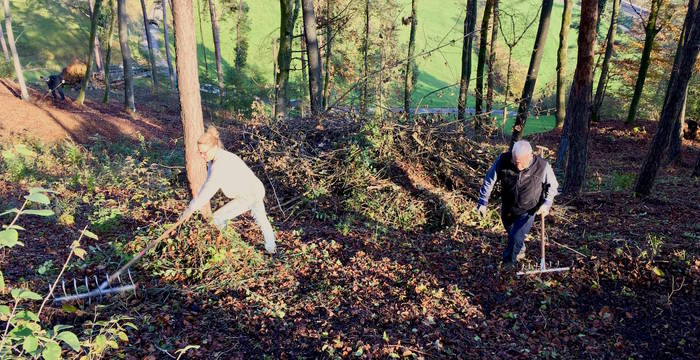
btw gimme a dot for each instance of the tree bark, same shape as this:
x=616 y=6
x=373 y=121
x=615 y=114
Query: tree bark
x=304 y=79
x=126 y=57
x=4 y=46
x=408 y=74
x=188 y=90
x=151 y=56
x=469 y=26
x=578 y=107
x=561 y=63
x=284 y=55
x=490 y=79
x=650 y=31
x=15 y=56
x=329 y=40
x=93 y=35
x=97 y=50
x=605 y=68
x=365 y=63
x=217 y=44
x=108 y=58
x=481 y=61
x=533 y=69
x=672 y=106
x=696 y=171
x=313 y=55
x=166 y=41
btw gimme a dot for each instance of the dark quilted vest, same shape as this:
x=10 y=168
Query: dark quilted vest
x=521 y=191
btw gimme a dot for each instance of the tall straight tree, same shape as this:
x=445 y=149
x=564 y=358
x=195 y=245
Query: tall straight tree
x=126 y=57
x=483 y=43
x=15 y=56
x=201 y=37
x=166 y=43
x=288 y=17
x=408 y=74
x=93 y=34
x=108 y=57
x=151 y=56
x=561 y=63
x=5 y=53
x=239 y=23
x=650 y=31
x=605 y=68
x=672 y=106
x=490 y=78
x=578 y=109
x=533 y=69
x=96 y=49
x=313 y=55
x=329 y=41
x=190 y=98
x=469 y=26
x=365 y=63
x=217 y=44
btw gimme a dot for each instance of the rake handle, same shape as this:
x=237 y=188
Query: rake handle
x=542 y=241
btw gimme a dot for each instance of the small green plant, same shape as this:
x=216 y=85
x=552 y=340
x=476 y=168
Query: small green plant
x=655 y=241
x=16 y=161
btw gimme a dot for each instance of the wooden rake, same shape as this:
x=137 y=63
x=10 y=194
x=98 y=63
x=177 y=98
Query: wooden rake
x=543 y=265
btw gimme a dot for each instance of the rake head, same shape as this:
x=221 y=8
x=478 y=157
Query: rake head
x=542 y=269
x=99 y=290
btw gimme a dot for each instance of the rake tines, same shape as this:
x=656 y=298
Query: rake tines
x=543 y=266
x=99 y=290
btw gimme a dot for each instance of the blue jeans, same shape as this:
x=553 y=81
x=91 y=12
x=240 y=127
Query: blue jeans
x=516 y=227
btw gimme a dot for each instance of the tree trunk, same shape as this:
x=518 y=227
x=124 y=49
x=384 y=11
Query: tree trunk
x=533 y=69
x=188 y=90
x=479 y=90
x=93 y=35
x=304 y=79
x=672 y=106
x=151 y=56
x=238 y=34
x=469 y=26
x=578 y=109
x=15 y=56
x=284 y=55
x=97 y=50
x=108 y=58
x=313 y=56
x=201 y=38
x=329 y=40
x=605 y=68
x=650 y=33
x=696 y=171
x=217 y=44
x=408 y=74
x=4 y=46
x=166 y=41
x=365 y=51
x=676 y=144
x=126 y=57
x=601 y=11
x=561 y=63
x=490 y=80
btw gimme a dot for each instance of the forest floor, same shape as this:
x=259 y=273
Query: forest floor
x=381 y=254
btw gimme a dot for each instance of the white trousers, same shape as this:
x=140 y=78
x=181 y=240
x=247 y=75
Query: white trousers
x=237 y=207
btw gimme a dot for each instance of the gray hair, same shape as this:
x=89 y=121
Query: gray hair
x=521 y=147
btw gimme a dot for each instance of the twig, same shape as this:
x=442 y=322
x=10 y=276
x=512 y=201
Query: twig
x=165 y=351
x=673 y=289
x=7 y=326
x=568 y=248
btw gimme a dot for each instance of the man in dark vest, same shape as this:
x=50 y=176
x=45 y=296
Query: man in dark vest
x=528 y=188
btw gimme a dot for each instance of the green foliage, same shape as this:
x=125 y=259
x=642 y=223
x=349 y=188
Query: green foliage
x=6 y=69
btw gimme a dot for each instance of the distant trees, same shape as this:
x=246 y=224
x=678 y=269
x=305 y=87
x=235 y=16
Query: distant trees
x=605 y=68
x=313 y=55
x=481 y=62
x=469 y=26
x=171 y=72
x=491 y=81
x=410 y=62
x=93 y=35
x=365 y=64
x=126 y=57
x=151 y=56
x=4 y=46
x=13 y=48
x=96 y=49
x=241 y=29
x=217 y=44
x=108 y=57
x=561 y=63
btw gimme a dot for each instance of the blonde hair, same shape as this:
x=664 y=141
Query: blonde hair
x=211 y=138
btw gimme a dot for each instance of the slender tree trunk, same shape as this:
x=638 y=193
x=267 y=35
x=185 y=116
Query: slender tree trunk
x=605 y=68
x=93 y=35
x=4 y=46
x=507 y=91
x=313 y=56
x=479 y=90
x=578 y=108
x=217 y=44
x=650 y=30
x=166 y=41
x=126 y=57
x=284 y=54
x=533 y=69
x=365 y=63
x=15 y=56
x=108 y=58
x=188 y=90
x=238 y=33
x=561 y=63
x=304 y=79
x=408 y=74
x=201 y=38
x=469 y=25
x=696 y=170
x=97 y=50
x=329 y=40
x=490 y=80
x=151 y=56
x=672 y=107
x=601 y=11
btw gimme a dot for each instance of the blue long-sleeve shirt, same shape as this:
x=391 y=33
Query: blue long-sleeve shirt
x=492 y=176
